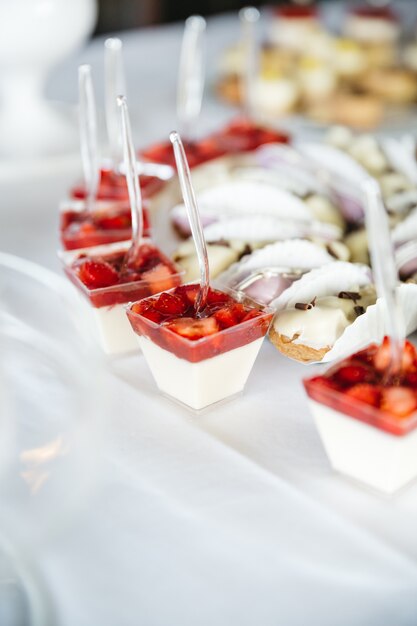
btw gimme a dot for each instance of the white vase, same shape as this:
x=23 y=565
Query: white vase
x=35 y=35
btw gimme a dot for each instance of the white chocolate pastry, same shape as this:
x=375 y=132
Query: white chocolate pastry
x=308 y=330
x=293 y=34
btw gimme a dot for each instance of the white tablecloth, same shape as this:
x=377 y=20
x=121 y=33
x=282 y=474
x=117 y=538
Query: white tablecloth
x=232 y=517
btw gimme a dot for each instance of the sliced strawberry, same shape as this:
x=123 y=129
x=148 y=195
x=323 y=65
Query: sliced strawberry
x=194 y=328
x=215 y=296
x=411 y=379
x=188 y=292
x=251 y=315
x=170 y=304
x=370 y=394
x=159 y=278
x=400 y=401
x=353 y=374
x=382 y=356
x=113 y=222
x=97 y=274
x=230 y=315
x=323 y=381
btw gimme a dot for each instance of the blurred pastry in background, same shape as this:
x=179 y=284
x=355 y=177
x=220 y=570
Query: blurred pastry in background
x=292 y=26
x=358 y=111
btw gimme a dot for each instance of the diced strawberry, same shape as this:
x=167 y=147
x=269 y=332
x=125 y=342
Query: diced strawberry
x=188 y=292
x=113 y=222
x=411 y=379
x=370 y=394
x=159 y=277
x=353 y=374
x=97 y=274
x=400 y=401
x=251 y=315
x=86 y=228
x=170 y=304
x=230 y=315
x=194 y=328
x=215 y=296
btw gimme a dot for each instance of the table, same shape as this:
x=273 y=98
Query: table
x=231 y=517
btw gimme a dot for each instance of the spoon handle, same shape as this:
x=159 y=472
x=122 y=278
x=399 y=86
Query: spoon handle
x=384 y=268
x=190 y=202
x=248 y=17
x=115 y=84
x=190 y=86
x=88 y=134
x=132 y=180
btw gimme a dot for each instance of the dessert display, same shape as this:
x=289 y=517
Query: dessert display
x=103 y=278
x=199 y=357
x=316 y=312
x=356 y=78
x=368 y=427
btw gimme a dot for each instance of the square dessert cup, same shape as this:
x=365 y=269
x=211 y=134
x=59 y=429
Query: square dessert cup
x=364 y=442
x=109 y=222
x=108 y=304
x=113 y=186
x=201 y=372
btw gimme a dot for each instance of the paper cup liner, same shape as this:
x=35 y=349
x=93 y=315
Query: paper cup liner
x=406 y=230
x=328 y=280
x=261 y=228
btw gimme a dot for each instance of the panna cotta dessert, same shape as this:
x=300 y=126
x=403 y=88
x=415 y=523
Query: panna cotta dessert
x=293 y=26
x=240 y=135
x=103 y=278
x=110 y=221
x=372 y=25
x=199 y=358
x=368 y=425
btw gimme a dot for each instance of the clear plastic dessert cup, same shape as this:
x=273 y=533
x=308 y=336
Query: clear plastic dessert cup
x=367 y=442
x=202 y=370
x=107 y=304
x=109 y=222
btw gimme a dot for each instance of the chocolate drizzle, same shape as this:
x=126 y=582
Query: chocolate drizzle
x=359 y=310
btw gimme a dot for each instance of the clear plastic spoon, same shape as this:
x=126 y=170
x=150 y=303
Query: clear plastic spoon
x=248 y=17
x=88 y=135
x=132 y=180
x=384 y=270
x=190 y=86
x=190 y=202
x=115 y=84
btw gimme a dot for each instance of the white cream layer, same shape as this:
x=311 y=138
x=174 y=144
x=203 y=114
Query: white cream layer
x=200 y=384
x=374 y=457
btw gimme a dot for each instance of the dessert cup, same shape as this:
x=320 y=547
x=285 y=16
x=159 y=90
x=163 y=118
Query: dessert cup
x=107 y=303
x=213 y=356
x=364 y=436
x=110 y=221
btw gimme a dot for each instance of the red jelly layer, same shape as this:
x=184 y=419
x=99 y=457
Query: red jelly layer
x=296 y=11
x=170 y=320
x=113 y=186
x=383 y=13
x=356 y=387
x=105 y=281
x=239 y=136
x=80 y=229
